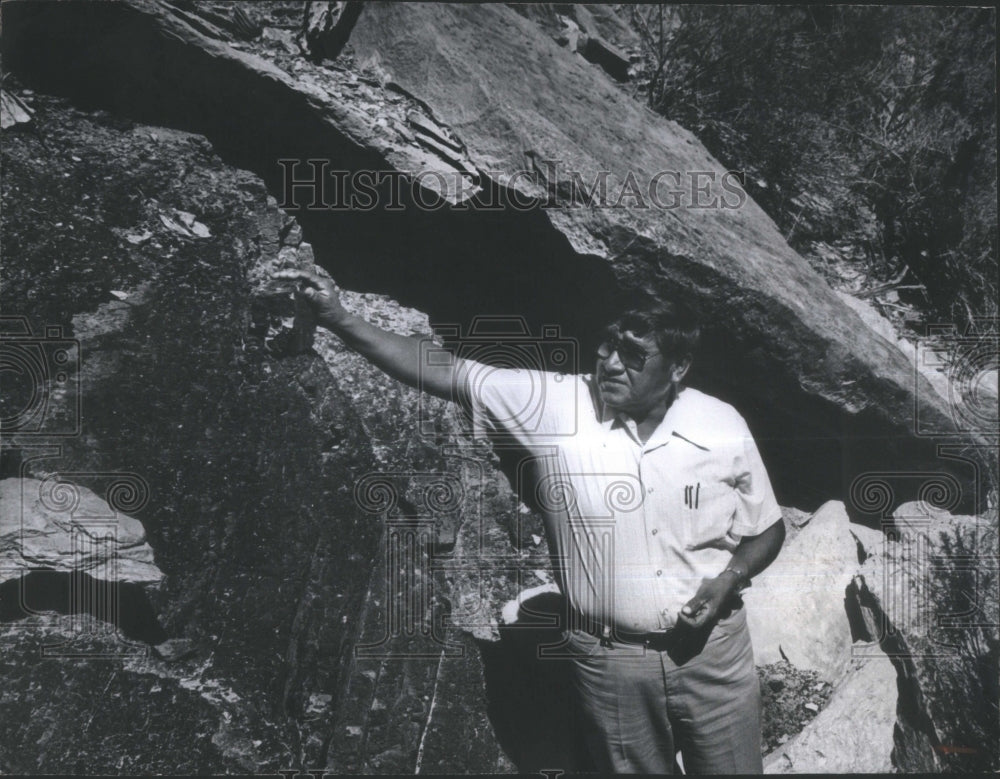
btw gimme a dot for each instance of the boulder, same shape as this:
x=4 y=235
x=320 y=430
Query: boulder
x=870 y=541
x=802 y=342
x=12 y=111
x=61 y=526
x=475 y=103
x=203 y=381
x=195 y=370
x=50 y=722
x=795 y=608
x=930 y=598
x=853 y=732
x=244 y=448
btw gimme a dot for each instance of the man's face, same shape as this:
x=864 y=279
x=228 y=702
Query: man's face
x=634 y=377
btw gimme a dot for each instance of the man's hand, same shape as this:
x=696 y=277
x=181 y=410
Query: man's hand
x=704 y=607
x=752 y=556
x=321 y=294
x=399 y=356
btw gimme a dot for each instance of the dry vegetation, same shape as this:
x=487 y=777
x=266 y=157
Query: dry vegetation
x=868 y=133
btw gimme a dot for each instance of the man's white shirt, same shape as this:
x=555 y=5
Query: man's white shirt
x=632 y=527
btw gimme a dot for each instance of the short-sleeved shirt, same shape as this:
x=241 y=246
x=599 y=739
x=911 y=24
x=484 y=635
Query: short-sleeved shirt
x=632 y=527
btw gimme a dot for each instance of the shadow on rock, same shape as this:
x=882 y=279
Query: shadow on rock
x=123 y=604
x=531 y=700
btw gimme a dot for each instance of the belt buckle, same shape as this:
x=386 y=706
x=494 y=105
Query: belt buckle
x=662 y=638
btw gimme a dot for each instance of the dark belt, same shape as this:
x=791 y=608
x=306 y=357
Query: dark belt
x=660 y=641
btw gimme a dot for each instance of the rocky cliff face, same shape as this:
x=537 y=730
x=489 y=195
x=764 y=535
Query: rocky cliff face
x=335 y=548
x=903 y=624
x=144 y=248
x=481 y=106
x=928 y=596
x=299 y=503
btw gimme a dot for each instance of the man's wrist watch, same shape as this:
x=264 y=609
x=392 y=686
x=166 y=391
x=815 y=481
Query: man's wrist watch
x=742 y=580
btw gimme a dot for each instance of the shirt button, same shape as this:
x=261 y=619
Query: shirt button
x=659 y=573
x=650 y=490
x=655 y=531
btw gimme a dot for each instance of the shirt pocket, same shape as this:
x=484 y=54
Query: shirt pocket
x=708 y=511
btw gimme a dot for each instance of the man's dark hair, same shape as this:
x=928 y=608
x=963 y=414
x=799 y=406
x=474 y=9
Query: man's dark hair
x=675 y=325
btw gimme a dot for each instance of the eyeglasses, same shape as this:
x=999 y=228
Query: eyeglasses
x=632 y=356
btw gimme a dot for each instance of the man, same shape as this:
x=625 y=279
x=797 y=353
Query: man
x=658 y=511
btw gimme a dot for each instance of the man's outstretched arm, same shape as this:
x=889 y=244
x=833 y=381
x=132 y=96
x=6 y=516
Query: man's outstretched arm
x=397 y=355
x=752 y=556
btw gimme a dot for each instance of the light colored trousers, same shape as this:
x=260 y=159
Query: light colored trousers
x=641 y=706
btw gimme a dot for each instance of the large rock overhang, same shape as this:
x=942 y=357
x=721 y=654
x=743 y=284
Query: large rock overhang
x=828 y=398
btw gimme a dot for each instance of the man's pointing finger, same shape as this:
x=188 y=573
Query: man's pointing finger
x=304 y=276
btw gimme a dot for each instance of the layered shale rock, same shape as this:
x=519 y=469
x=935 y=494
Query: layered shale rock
x=476 y=104
x=334 y=545
x=145 y=252
x=59 y=526
x=930 y=598
x=280 y=485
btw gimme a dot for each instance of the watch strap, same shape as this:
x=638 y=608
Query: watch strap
x=743 y=581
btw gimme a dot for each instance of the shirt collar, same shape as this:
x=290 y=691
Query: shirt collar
x=609 y=419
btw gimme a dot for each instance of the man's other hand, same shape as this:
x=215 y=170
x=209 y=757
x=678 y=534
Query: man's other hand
x=321 y=294
x=704 y=607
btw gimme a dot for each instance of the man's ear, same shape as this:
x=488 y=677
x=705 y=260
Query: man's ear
x=680 y=368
